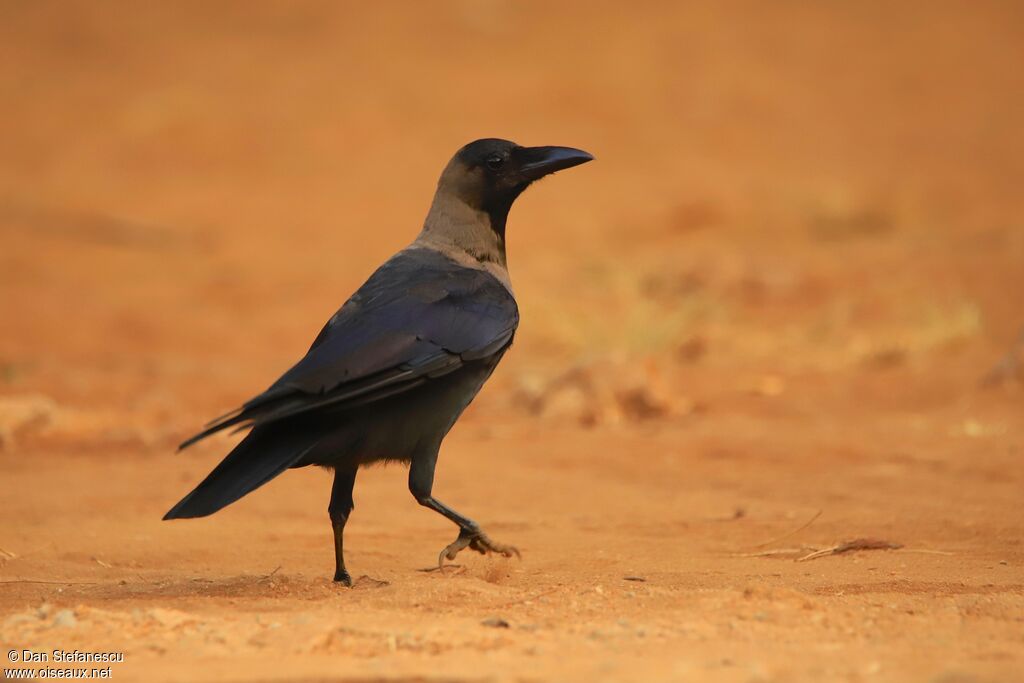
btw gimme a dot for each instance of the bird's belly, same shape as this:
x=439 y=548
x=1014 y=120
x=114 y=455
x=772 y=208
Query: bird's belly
x=396 y=428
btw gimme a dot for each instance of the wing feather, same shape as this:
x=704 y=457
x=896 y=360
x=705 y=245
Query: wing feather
x=420 y=316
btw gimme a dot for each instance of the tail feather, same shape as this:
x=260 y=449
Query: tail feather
x=284 y=403
x=244 y=417
x=216 y=426
x=262 y=455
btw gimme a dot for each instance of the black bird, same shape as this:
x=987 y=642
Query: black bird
x=393 y=369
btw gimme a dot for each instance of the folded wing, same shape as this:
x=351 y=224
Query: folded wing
x=418 y=317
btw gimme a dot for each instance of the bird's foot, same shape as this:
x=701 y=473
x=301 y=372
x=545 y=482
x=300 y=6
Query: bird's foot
x=342 y=576
x=478 y=541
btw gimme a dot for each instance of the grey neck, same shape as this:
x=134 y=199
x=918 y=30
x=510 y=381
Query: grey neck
x=454 y=226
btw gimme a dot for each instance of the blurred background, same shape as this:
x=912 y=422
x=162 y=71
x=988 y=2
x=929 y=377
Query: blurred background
x=189 y=189
x=799 y=253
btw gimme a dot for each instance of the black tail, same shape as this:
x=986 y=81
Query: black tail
x=262 y=455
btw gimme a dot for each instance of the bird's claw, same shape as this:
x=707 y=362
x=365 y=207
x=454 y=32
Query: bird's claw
x=478 y=541
x=343 y=577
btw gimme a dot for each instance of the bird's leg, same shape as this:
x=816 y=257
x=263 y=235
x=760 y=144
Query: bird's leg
x=421 y=483
x=340 y=508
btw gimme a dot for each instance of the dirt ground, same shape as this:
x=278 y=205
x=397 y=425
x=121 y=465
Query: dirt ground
x=757 y=327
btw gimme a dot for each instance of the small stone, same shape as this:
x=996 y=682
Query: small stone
x=65 y=619
x=495 y=622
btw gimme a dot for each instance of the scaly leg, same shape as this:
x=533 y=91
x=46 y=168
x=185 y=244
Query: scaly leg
x=421 y=483
x=340 y=508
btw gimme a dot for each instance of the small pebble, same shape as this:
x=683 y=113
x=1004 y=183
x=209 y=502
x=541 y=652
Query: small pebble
x=65 y=618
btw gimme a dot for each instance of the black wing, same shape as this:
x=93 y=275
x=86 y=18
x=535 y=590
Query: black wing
x=419 y=316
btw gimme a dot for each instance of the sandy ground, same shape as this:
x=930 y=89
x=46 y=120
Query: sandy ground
x=754 y=329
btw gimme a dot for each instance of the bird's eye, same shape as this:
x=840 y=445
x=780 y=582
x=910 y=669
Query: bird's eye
x=494 y=162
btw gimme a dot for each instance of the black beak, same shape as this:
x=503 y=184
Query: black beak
x=538 y=162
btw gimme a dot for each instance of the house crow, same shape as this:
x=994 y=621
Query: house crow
x=392 y=370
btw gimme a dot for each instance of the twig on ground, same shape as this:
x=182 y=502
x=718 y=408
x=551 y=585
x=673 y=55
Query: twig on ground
x=925 y=551
x=791 y=533
x=271 y=574
x=777 y=551
x=849 y=546
x=442 y=568
x=52 y=583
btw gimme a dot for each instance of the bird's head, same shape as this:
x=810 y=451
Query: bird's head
x=488 y=175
